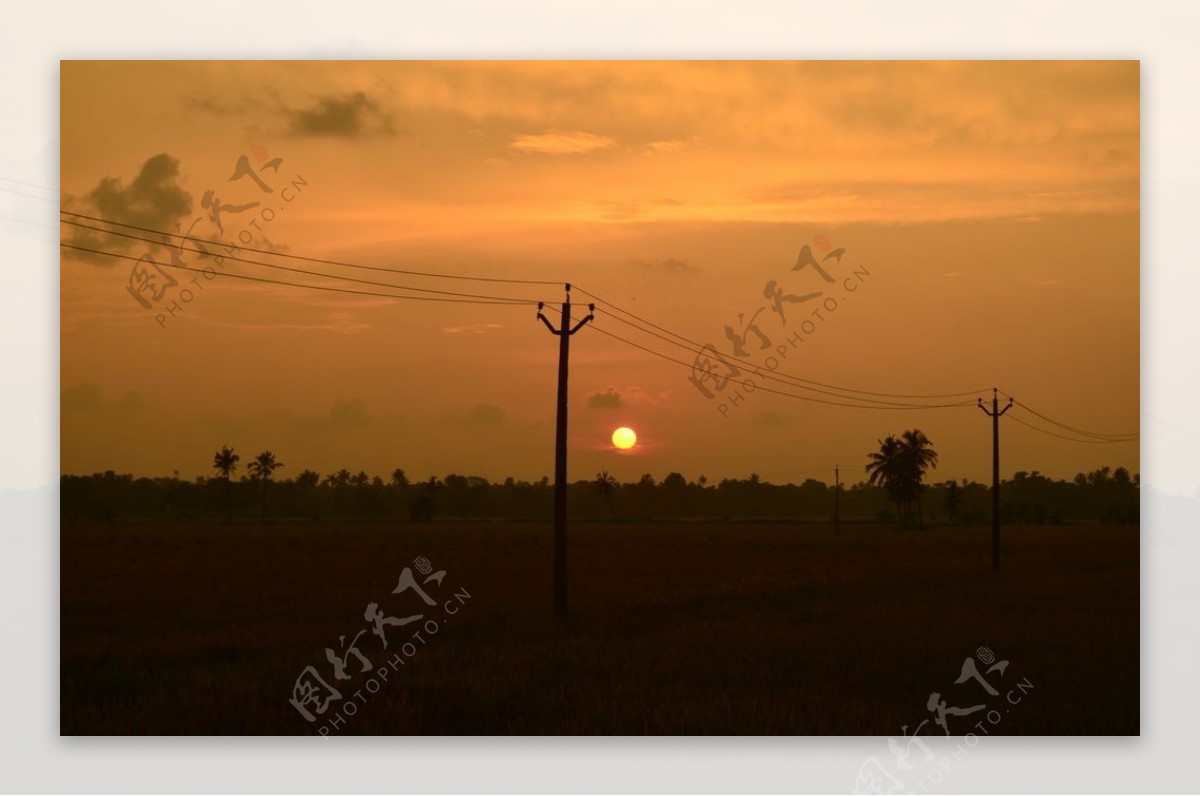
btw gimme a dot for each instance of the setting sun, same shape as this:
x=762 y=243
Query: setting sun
x=624 y=438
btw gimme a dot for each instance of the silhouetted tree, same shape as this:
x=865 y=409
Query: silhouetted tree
x=225 y=462
x=421 y=508
x=261 y=467
x=1105 y=495
x=918 y=457
x=886 y=469
x=607 y=485
x=952 y=501
x=899 y=466
x=306 y=491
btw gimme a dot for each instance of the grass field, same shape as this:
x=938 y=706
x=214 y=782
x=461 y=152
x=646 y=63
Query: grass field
x=180 y=628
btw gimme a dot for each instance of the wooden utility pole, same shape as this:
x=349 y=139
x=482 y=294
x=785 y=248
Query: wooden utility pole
x=564 y=332
x=995 y=414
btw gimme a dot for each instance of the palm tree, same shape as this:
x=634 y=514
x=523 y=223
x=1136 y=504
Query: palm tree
x=607 y=485
x=918 y=456
x=225 y=462
x=899 y=467
x=886 y=469
x=261 y=468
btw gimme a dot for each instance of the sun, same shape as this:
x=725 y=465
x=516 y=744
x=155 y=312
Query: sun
x=624 y=438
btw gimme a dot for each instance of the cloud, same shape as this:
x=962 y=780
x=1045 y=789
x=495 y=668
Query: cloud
x=347 y=413
x=89 y=399
x=561 y=142
x=343 y=416
x=670 y=265
x=609 y=399
x=484 y=415
x=628 y=395
x=663 y=147
x=154 y=200
x=471 y=328
x=618 y=211
x=205 y=102
x=345 y=116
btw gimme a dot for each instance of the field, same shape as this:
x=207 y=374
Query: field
x=676 y=628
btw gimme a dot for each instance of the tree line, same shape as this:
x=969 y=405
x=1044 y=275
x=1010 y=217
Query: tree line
x=895 y=490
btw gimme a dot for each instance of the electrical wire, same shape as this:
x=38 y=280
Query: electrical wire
x=29 y=184
x=1017 y=419
x=507 y=302
x=784 y=378
x=695 y=346
x=781 y=392
x=299 y=270
x=316 y=260
x=1082 y=432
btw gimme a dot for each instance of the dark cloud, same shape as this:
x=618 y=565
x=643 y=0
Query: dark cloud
x=154 y=200
x=347 y=116
x=89 y=399
x=670 y=266
x=484 y=415
x=609 y=399
x=769 y=418
x=344 y=417
x=203 y=102
x=347 y=413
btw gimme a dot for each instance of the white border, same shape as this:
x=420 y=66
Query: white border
x=35 y=36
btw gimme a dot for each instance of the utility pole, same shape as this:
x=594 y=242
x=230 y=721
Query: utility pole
x=564 y=333
x=995 y=415
x=837 y=494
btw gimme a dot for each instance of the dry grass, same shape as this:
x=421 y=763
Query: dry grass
x=677 y=628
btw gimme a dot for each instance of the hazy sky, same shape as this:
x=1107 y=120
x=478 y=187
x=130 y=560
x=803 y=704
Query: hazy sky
x=991 y=211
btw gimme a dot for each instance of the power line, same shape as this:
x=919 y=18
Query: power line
x=1094 y=434
x=695 y=347
x=30 y=223
x=316 y=260
x=1041 y=430
x=507 y=302
x=1184 y=431
x=791 y=381
x=29 y=184
x=698 y=346
x=780 y=392
x=296 y=270
x=688 y=344
x=29 y=195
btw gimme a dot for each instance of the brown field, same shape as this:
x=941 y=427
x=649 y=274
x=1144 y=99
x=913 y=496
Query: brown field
x=739 y=628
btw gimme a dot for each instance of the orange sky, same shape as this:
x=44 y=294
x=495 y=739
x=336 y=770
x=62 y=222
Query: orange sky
x=994 y=205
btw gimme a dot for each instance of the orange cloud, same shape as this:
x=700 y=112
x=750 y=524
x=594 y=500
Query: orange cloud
x=562 y=142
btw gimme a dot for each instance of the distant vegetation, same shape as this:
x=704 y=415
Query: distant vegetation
x=1104 y=495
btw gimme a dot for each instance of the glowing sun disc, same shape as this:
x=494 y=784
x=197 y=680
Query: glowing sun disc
x=624 y=438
